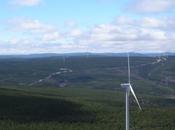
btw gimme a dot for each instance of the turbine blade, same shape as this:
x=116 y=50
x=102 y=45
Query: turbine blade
x=133 y=93
x=129 y=73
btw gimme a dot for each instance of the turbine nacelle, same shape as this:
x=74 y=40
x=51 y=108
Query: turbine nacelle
x=125 y=85
x=129 y=89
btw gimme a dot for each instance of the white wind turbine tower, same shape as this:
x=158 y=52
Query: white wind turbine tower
x=128 y=88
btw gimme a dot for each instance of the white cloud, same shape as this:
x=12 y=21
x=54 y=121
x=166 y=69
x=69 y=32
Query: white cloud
x=75 y=33
x=70 y=23
x=52 y=37
x=34 y=29
x=124 y=34
x=147 y=34
x=152 y=22
x=26 y=2
x=153 y=6
x=165 y=23
x=30 y=25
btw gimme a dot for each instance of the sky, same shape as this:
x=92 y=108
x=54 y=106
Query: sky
x=66 y=26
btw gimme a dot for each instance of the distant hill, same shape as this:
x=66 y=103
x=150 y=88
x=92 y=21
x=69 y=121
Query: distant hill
x=87 y=54
x=151 y=75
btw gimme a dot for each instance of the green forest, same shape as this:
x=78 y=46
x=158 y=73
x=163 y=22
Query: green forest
x=84 y=93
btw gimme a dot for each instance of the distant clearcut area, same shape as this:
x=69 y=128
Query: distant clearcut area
x=73 y=92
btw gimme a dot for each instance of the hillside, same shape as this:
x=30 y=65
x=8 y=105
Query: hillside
x=82 y=93
x=80 y=109
x=150 y=75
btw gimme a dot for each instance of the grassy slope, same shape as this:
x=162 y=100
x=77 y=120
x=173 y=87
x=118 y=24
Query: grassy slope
x=80 y=109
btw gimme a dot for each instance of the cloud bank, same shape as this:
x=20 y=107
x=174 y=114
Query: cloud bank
x=26 y=2
x=146 y=34
x=153 y=6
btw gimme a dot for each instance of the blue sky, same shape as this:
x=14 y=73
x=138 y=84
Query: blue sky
x=86 y=13
x=63 y=26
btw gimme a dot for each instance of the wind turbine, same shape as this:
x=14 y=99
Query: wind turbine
x=128 y=88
